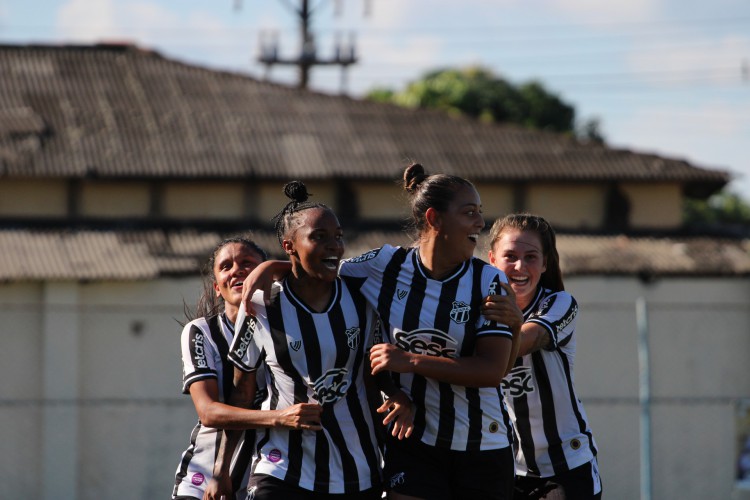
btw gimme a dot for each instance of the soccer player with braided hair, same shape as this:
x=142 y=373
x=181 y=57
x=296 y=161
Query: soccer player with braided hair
x=313 y=337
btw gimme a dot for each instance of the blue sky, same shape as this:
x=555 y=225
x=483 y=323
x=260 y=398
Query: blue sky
x=670 y=77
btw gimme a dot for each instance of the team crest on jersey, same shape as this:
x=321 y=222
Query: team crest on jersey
x=518 y=382
x=371 y=254
x=429 y=341
x=401 y=294
x=331 y=386
x=296 y=345
x=352 y=337
x=460 y=312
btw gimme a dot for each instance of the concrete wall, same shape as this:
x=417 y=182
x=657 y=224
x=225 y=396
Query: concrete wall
x=90 y=406
x=581 y=206
x=33 y=198
x=564 y=205
x=115 y=199
x=654 y=205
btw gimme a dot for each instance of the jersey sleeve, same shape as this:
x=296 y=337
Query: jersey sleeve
x=197 y=354
x=244 y=352
x=369 y=264
x=557 y=313
x=491 y=279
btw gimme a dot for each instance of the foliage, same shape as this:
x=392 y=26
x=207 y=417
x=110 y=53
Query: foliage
x=477 y=92
x=722 y=208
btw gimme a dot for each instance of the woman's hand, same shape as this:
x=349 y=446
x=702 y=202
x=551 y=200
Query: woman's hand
x=304 y=416
x=503 y=309
x=389 y=357
x=401 y=412
x=219 y=487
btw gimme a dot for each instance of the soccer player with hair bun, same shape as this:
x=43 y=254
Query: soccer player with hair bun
x=313 y=336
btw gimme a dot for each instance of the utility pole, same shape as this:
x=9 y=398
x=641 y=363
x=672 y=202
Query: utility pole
x=344 y=53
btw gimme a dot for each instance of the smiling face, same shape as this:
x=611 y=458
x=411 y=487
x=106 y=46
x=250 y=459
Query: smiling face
x=232 y=263
x=316 y=245
x=457 y=229
x=519 y=254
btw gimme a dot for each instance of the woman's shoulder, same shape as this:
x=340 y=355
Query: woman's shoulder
x=560 y=294
x=558 y=298
x=200 y=323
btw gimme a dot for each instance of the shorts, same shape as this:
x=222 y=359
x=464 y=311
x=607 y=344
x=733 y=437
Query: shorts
x=582 y=483
x=416 y=469
x=265 y=487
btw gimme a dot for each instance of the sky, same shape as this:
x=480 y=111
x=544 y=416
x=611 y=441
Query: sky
x=670 y=77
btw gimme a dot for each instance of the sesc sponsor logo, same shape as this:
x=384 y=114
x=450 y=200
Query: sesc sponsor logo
x=331 y=386
x=429 y=341
x=518 y=382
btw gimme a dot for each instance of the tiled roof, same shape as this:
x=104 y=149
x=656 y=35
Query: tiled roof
x=139 y=255
x=118 y=111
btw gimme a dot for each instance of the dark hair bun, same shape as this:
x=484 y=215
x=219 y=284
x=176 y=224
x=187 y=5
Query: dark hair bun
x=296 y=191
x=413 y=177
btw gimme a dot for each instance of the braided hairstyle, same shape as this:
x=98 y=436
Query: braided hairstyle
x=430 y=191
x=552 y=277
x=286 y=219
x=208 y=303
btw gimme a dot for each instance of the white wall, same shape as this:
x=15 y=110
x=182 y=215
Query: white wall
x=131 y=422
x=699 y=342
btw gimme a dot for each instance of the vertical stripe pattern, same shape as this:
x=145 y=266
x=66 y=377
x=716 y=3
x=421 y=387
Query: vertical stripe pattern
x=437 y=318
x=316 y=357
x=540 y=388
x=205 y=344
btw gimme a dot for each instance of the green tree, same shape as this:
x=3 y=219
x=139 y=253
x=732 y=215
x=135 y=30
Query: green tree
x=723 y=208
x=478 y=93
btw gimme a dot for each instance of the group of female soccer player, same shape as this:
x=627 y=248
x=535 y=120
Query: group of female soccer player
x=474 y=362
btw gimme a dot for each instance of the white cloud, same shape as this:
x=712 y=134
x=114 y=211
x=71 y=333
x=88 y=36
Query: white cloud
x=602 y=11
x=86 y=20
x=721 y=57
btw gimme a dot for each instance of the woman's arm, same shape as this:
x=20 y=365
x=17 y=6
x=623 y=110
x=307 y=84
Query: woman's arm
x=213 y=413
x=220 y=484
x=261 y=278
x=503 y=309
x=533 y=338
x=233 y=418
x=485 y=368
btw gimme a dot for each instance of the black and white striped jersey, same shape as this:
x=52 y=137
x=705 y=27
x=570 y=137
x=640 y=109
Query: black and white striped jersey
x=314 y=357
x=438 y=318
x=552 y=434
x=205 y=345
